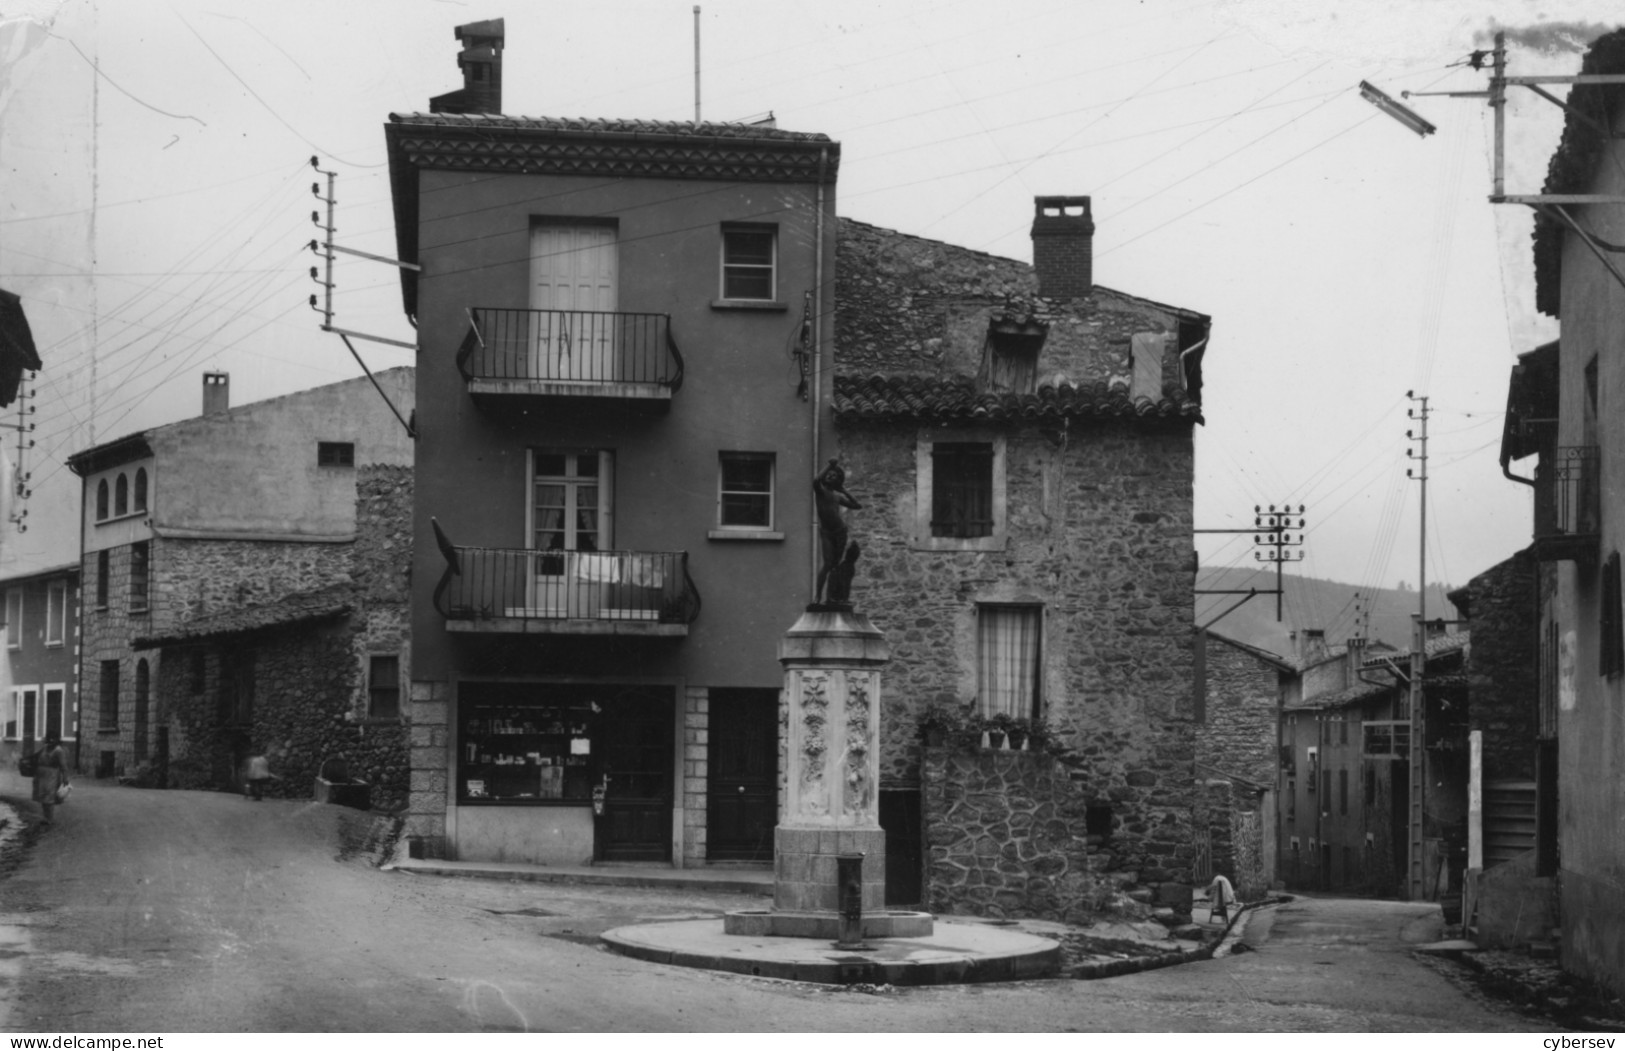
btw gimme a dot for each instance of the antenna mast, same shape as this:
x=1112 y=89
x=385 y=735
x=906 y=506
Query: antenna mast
x=696 y=63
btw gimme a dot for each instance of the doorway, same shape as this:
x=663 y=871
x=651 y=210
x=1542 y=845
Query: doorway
x=634 y=727
x=742 y=806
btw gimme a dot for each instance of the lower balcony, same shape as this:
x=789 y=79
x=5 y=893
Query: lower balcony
x=519 y=591
x=1568 y=505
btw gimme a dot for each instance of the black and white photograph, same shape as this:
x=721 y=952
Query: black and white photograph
x=871 y=516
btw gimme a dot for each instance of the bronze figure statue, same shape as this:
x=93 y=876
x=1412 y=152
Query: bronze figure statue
x=834 y=574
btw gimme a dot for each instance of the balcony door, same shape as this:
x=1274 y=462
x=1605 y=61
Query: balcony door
x=573 y=279
x=570 y=522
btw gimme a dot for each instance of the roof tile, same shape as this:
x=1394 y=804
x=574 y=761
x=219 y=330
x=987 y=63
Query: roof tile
x=958 y=398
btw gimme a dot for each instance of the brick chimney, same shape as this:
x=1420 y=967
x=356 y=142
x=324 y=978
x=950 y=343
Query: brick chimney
x=1063 y=246
x=481 y=63
x=216 y=392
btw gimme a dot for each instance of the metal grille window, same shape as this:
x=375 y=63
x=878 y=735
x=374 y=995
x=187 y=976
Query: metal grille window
x=140 y=575
x=1612 y=643
x=335 y=454
x=383 y=686
x=962 y=489
x=746 y=498
x=748 y=258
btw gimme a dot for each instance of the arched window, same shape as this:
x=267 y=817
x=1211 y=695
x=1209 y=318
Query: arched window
x=101 y=499
x=121 y=495
x=140 y=489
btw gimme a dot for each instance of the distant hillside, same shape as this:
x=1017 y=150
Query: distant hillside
x=1311 y=603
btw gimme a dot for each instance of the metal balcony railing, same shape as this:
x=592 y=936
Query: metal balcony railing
x=508 y=587
x=577 y=347
x=1568 y=502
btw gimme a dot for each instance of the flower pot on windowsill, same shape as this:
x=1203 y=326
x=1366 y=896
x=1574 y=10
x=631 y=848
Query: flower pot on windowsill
x=995 y=739
x=1017 y=738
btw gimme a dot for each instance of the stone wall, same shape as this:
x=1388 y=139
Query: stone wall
x=1237 y=735
x=1503 y=667
x=696 y=750
x=429 y=759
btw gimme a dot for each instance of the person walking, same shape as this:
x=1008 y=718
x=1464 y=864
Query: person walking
x=50 y=775
x=257 y=773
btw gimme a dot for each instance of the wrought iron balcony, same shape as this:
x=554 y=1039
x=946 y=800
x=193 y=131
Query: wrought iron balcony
x=566 y=592
x=1568 y=504
x=570 y=353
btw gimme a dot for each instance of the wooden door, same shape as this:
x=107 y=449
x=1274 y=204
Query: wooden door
x=573 y=282
x=743 y=761
x=635 y=735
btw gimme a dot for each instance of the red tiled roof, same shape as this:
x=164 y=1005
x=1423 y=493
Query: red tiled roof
x=608 y=125
x=957 y=398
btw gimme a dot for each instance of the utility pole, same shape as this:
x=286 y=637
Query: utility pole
x=1415 y=852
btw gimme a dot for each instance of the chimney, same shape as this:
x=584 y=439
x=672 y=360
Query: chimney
x=216 y=392
x=1063 y=246
x=481 y=63
x=1309 y=644
x=1355 y=660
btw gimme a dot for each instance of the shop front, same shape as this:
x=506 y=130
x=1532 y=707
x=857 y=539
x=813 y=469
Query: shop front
x=564 y=773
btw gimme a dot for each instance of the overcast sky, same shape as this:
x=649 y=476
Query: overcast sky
x=159 y=211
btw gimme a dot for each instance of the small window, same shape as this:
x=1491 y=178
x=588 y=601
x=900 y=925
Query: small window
x=1343 y=792
x=1611 y=646
x=108 y=716
x=1291 y=799
x=101 y=500
x=56 y=612
x=746 y=491
x=962 y=489
x=1009 y=668
x=1343 y=730
x=103 y=561
x=140 y=489
x=748 y=258
x=335 y=454
x=14 y=619
x=140 y=575
x=121 y=495
x=383 y=686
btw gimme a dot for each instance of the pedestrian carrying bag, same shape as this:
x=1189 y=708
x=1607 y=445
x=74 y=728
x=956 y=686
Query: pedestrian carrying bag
x=62 y=793
x=28 y=765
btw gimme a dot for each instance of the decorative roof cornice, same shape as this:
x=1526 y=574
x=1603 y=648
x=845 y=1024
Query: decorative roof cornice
x=958 y=398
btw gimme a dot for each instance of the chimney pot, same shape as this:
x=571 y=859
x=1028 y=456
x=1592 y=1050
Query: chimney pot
x=216 y=392
x=1063 y=246
x=481 y=63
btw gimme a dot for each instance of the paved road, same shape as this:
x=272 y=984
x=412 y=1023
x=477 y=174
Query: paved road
x=189 y=911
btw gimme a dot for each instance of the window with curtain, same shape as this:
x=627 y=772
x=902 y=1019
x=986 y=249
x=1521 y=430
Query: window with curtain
x=962 y=489
x=1008 y=654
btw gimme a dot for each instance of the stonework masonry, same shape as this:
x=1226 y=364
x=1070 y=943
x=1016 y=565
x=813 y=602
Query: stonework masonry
x=1502 y=667
x=1237 y=734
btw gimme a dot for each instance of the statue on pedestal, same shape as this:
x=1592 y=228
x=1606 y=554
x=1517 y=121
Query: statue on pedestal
x=837 y=556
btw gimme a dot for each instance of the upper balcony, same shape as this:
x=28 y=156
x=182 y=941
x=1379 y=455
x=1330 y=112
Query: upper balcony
x=514 y=591
x=570 y=354
x=1568 y=505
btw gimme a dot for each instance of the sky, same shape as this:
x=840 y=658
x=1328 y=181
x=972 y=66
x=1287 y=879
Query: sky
x=156 y=206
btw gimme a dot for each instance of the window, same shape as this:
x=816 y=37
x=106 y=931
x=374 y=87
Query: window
x=121 y=495
x=102 y=566
x=109 y=696
x=1008 y=659
x=13 y=715
x=959 y=500
x=140 y=489
x=1343 y=792
x=143 y=686
x=14 y=619
x=748 y=258
x=1291 y=799
x=1611 y=646
x=335 y=454
x=197 y=673
x=236 y=699
x=26 y=701
x=745 y=499
x=56 y=612
x=101 y=499
x=56 y=712
x=140 y=575
x=962 y=489
x=569 y=500
x=1343 y=729
x=383 y=686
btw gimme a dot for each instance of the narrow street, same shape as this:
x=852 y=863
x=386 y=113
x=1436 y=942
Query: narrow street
x=145 y=911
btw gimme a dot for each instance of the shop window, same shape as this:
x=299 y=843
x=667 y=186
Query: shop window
x=528 y=753
x=383 y=686
x=1009 y=667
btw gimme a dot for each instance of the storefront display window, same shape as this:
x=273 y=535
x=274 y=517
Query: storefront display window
x=536 y=752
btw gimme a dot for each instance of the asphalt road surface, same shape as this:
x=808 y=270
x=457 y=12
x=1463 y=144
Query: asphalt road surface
x=153 y=912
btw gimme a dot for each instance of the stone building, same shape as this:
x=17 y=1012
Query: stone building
x=313 y=678
x=1020 y=439
x=235 y=508
x=1240 y=689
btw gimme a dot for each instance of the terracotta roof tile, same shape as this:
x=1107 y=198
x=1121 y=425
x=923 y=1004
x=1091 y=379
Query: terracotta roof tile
x=957 y=398
x=297 y=608
x=608 y=125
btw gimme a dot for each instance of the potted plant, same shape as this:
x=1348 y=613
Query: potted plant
x=998 y=728
x=1016 y=731
x=941 y=724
